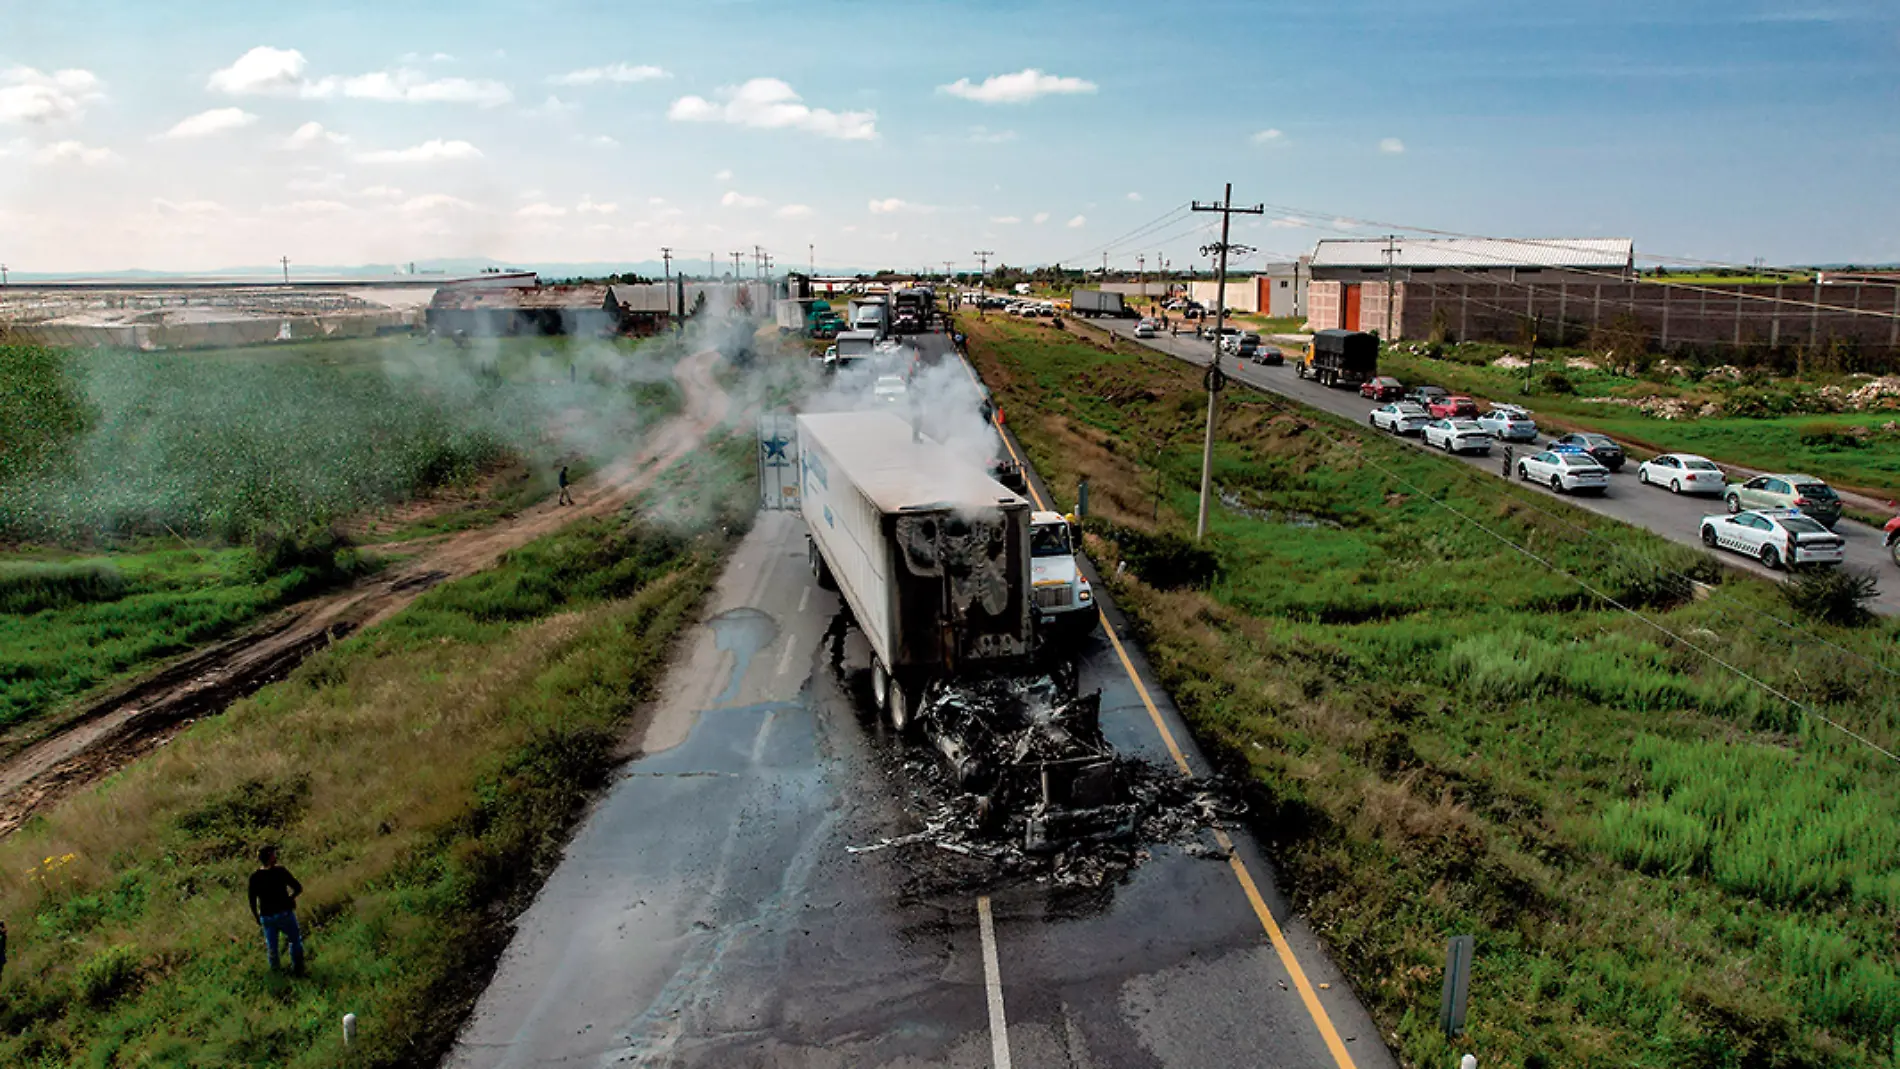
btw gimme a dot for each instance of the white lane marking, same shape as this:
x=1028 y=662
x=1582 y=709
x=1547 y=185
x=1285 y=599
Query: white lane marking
x=993 y=984
x=784 y=659
x=804 y=598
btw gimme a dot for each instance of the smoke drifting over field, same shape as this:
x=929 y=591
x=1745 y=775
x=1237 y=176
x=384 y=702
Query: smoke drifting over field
x=224 y=443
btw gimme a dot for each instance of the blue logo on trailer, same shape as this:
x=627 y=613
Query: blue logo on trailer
x=815 y=469
x=829 y=521
x=775 y=447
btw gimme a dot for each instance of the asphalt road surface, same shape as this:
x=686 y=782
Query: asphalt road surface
x=708 y=912
x=1672 y=517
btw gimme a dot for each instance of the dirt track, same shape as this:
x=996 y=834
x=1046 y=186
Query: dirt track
x=122 y=727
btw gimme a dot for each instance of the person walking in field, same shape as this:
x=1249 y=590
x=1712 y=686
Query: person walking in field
x=566 y=498
x=273 y=895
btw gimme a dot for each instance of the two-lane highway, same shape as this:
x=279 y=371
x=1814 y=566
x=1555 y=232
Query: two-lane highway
x=1652 y=508
x=710 y=913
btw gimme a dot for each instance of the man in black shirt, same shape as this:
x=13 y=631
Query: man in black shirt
x=273 y=896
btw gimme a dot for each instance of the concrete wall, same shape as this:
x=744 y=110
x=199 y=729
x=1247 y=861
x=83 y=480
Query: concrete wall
x=1673 y=316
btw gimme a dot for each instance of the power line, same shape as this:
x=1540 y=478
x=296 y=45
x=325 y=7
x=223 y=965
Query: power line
x=1227 y=212
x=1171 y=216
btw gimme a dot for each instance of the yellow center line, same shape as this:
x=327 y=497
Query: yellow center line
x=1330 y=1035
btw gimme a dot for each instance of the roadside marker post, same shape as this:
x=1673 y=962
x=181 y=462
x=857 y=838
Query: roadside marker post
x=1457 y=991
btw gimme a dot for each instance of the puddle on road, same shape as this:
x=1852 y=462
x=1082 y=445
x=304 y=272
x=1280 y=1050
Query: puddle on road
x=743 y=632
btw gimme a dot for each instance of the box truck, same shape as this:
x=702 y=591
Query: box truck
x=1093 y=303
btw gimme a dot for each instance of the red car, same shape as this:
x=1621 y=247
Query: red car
x=1383 y=388
x=1457 y=406
x=1890 y=537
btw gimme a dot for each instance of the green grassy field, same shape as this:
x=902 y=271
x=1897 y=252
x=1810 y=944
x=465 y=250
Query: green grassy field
x=69 y=625
x=500 y=697
x=219 y=444
x=1664 y=864
x=1850 y=449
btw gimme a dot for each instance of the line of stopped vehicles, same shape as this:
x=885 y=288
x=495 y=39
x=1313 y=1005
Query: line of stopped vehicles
x=1780 y=519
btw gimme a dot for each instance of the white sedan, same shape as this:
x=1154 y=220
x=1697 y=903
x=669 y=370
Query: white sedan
x=890 y=389
x=1509 y=423
x=1399 y=417
x=1458 y=435
x=1776 y=537
x=1682 y=473
x=1565 y=472
x=1146 y=329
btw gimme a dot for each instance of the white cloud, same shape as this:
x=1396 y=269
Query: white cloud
x=433 y=151
x=1268 y=137
x=73 y=152
x=414 y=87
x=892 y=205
x=267 y=71
x=1286 y=222
x=430 y=202
x=262 y=71
x=551 y=107
x=1016 y=88
x=983 y=135
x=381 y=192
x=1039 y=218
x=769 y=103
x=1078 y=221
x=614 y=72
x=722 y=176
x=30 y=96
x=1006 y=220
x=736 y=199
x=187 y=207
x=656 y=200
x=541 y=211
x=313 y=133
x=215 y=121
x=589 y=206
x=1392 y=146
x=417 y=57
x=603 y=141
x=794 y=211
x=317 y=207
x=1134 y=196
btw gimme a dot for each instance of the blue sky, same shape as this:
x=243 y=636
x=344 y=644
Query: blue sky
x=178 y=136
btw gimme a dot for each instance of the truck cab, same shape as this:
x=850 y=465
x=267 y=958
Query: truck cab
x=1062 y=593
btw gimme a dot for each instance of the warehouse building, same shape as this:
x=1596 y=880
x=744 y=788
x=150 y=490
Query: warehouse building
x=486 y=312
x=1361 y=283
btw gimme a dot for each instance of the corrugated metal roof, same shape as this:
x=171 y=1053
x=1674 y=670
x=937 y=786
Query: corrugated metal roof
x=1601 y=253
x=879 y=456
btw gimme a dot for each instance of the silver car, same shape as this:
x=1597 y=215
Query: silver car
x=1508 y=423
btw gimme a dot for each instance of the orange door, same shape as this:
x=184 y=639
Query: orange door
x=1352 y=306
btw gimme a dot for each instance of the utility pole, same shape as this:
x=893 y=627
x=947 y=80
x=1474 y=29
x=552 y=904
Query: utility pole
x=1105 y=267
x=1215 y=377
x=735 y=265
x=3 y=274
x=811 y=259
x=666 y=265
x=1141 y=276
x=286 y=263
x=982 y=267
x=1391 y=251
x=946 y=272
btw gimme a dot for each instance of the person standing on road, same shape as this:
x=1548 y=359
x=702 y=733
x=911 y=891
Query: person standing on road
x=273 y=896
x=566 y=498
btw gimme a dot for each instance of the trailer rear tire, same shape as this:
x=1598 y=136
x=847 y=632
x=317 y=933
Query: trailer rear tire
x=820 y=571
x=880 y=689
x=898 y=709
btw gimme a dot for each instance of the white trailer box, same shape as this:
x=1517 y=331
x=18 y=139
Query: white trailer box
x=930 y=553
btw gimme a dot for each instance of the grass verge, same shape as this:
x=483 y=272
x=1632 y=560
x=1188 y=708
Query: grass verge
x=421 y=778
x=1665 y=866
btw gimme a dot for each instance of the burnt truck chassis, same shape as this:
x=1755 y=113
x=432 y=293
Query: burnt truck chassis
x=1029 y=749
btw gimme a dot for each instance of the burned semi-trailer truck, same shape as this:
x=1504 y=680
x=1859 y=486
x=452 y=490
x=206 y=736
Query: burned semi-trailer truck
x=946 y=573
x=929 y=552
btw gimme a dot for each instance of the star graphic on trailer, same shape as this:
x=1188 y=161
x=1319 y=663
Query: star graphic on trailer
x=775 y=447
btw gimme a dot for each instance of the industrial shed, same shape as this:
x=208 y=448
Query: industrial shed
x=586 y=310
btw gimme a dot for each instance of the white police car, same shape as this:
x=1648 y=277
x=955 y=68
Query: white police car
x=1565 y=471
x=1399 y=417
x=1458 y=435
x=1776 y=537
